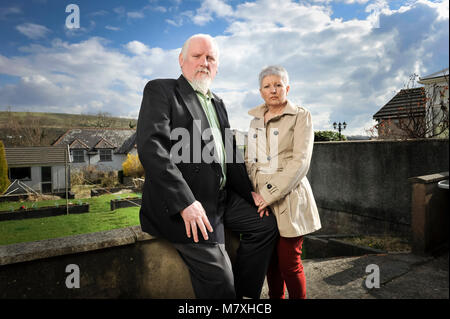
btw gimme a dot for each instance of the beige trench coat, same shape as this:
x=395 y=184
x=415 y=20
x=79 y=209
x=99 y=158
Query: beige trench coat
x=277 y=158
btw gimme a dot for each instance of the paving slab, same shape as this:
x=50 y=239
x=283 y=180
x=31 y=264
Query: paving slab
x=401 y=276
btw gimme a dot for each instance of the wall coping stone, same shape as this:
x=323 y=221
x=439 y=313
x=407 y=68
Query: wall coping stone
x=27 y=251
x=429 y=179
x=414 y=140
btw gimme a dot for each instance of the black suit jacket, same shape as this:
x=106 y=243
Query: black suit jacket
x=168 y=107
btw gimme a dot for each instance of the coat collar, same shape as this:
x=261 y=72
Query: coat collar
x=187 y=90
x=260 y=110
x=190 y=99
x=192 y=103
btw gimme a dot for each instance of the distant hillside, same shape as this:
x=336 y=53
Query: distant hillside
x=39 y=129
x=63 y=120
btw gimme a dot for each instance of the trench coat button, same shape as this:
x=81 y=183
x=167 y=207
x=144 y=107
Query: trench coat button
x=275 y=133
x=256 y=160
x=269 y=158
x=255 y=135
x=269 y=186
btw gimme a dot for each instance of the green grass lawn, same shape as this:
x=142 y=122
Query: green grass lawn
x=99 y=218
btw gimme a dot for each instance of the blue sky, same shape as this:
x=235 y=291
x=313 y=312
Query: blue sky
x=345 y=58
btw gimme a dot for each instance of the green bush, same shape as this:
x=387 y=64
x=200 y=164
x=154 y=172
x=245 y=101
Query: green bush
x=90 y=175
x=4 y=181
x=320 y=136
x=132 y=167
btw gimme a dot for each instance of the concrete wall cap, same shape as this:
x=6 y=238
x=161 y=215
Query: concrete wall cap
x=428 y=179
x=27 y=251
x=391 y=141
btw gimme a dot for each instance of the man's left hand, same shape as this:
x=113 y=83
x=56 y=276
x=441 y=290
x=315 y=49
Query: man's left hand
x=262 y=205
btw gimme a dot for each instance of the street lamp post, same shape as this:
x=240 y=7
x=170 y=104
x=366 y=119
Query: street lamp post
x=340 y=126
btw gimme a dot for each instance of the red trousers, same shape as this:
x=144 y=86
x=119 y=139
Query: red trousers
x=286 y=269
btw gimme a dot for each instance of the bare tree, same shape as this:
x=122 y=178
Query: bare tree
x=426 y=118
x=25 y=131
x=103 y=120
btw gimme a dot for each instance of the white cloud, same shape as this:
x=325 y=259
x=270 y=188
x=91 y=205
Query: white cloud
x=137 y=47
x=139 y=14
x=135 y=15
x=441 y=6
x=112 y=28
x=178 y=22
x=209 y=8
x=159 y=9
x=98 y=13
x=267 y=15
x=6 y=12
x=204 y=14
x=76 y=77
x=355 y=1
x=33 y=31
x=339 y=70
x=120 y=11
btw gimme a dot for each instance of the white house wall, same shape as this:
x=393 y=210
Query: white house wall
x=114 y=165
x=58 y=178
x=434 y=98
x=35 y=182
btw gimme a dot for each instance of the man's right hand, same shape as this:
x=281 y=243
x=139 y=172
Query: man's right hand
x=195 y=216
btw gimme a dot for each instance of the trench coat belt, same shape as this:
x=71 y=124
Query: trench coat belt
x=266 y=169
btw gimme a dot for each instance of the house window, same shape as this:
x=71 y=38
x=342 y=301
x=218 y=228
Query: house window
x=22 y=173
x=78 y=156
x=105 y=155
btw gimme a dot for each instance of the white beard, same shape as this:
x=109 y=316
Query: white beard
x=202 y=84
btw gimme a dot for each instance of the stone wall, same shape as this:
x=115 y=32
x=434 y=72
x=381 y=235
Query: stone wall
x=430 y=211
x=362 y=187
x=120 y=263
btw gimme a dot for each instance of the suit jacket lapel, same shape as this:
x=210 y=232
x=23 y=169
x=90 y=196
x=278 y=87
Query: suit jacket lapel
x=226 y=138
x=192 y=103
x=221 y=115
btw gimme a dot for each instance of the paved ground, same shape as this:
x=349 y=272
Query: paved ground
x=401 y=276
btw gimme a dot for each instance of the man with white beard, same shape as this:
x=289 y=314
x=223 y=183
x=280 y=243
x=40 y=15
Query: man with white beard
x=189 y=202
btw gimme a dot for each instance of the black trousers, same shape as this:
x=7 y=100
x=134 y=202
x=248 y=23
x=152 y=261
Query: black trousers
x=212 y=274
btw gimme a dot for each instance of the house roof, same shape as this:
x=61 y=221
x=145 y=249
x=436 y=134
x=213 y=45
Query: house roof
x=104 y=144
x=93 y=139
x=78 y=144
x=35 y=155
x=127 y=145
x=434 y=76
x=407 y=102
